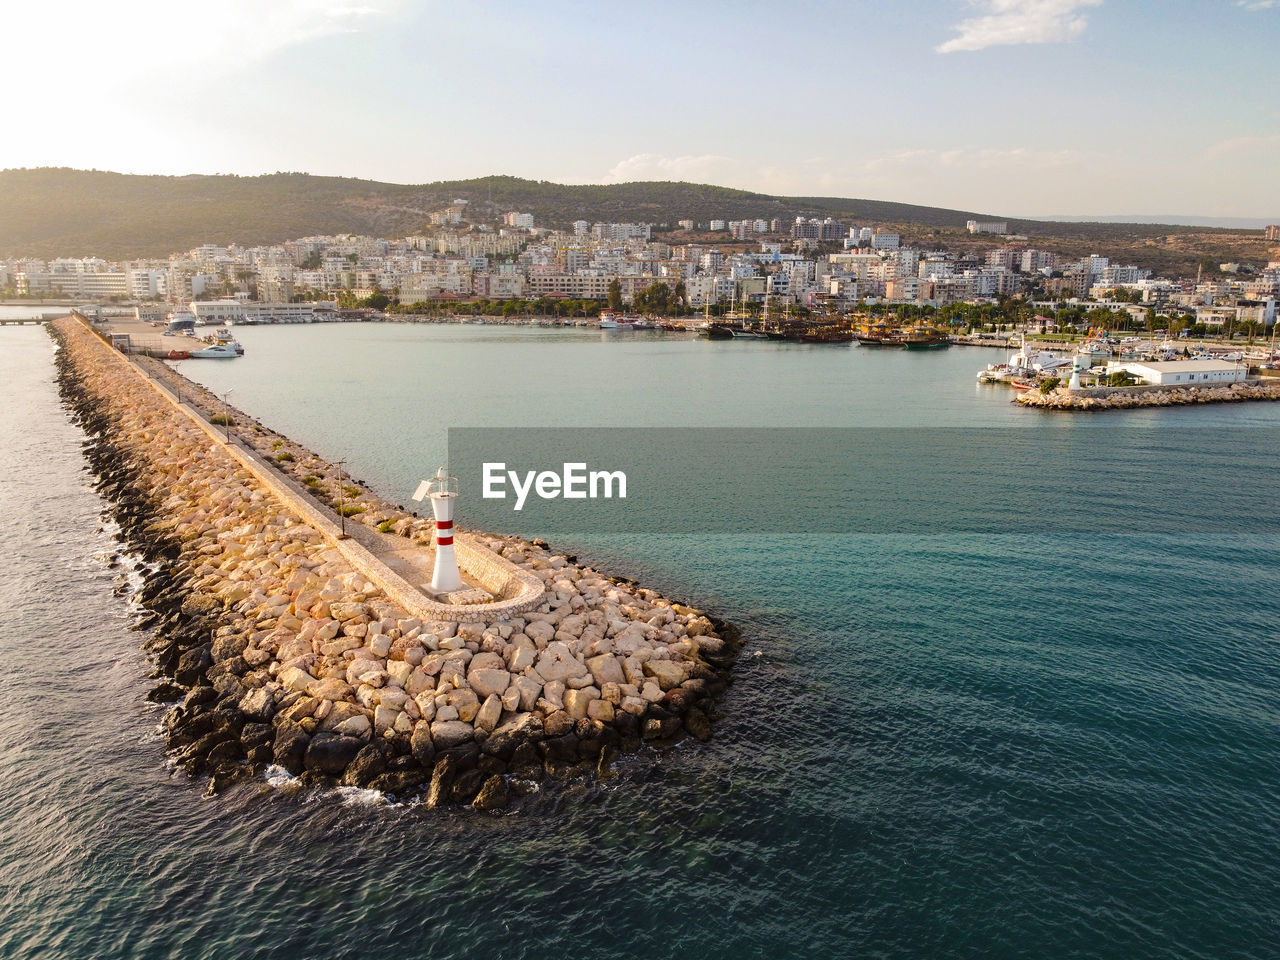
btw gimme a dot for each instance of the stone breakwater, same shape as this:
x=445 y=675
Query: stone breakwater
x=272 y=650
x=1121 y=399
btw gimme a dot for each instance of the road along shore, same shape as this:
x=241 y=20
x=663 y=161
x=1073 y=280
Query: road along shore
x=279 y=644
x=1131 y=398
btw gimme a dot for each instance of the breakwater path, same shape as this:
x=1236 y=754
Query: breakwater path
x=283 y=645
x=1132 y=398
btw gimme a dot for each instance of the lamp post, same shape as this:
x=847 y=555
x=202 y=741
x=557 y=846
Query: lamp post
x=342 y=506
x=226 y=416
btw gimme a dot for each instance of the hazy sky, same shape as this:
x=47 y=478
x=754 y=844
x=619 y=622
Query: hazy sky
x=1016 y=107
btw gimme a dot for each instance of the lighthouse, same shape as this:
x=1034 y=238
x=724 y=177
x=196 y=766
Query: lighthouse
x=1075 y=374
x=443 y=491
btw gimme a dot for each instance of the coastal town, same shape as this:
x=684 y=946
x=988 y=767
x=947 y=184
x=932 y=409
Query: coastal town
x=516 y=269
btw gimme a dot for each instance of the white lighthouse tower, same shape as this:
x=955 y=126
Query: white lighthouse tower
x=443 y=491
x=1074 y=384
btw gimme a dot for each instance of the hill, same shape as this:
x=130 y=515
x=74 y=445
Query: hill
x=48 y=212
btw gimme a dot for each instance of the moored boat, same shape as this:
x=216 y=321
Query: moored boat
x=216 y=351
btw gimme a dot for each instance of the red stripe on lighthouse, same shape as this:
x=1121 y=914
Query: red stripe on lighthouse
x=443 y=541
x=444 y=524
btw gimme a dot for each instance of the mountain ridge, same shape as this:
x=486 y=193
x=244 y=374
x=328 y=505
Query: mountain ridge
x=60 y=211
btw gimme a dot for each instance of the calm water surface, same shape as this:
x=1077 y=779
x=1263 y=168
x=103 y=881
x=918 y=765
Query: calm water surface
x=977 y=745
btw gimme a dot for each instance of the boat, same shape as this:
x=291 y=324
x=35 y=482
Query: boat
x=1024 y=364
x=925 y=338
x=727 y=331
x=614 y=321
x=878 y=334
x=223 y=337
x=178 y=355
x=827 y=335
x=216 y=351
x=181 y=321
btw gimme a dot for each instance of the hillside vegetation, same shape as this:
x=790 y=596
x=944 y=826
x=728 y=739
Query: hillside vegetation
x=49 y=212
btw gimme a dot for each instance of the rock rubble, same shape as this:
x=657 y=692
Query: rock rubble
x=1062 y=399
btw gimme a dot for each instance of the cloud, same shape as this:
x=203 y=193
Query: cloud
x=1243 y=145
x=149 y=46
x=701 y=168
x=1011 y=22
x=1258 y=4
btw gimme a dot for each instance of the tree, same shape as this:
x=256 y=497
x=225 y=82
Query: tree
x=682 y=295
x=615 y=295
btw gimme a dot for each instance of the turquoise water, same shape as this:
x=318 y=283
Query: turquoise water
x=986 y=744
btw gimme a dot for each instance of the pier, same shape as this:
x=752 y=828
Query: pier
x=299 y=639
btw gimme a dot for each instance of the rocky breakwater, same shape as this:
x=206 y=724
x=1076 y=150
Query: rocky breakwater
x=1122 y=399
x=274 y=652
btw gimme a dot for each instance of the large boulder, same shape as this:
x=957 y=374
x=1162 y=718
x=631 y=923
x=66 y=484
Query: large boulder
x=342 y=612
x=258 y=705
x=192 y=665
x=493 y=794
x=290 y=747
x=421 y=745
x=330 y=753
x=366 y=765
x=576 y=701
x=557 y=662
x=489 y=714
x=450 y=733
x=441 y=782
x=668 y=673
x=522 y=728
x=606 y=669
x=487 y=681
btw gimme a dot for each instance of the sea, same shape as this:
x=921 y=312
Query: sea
x=1045 y=724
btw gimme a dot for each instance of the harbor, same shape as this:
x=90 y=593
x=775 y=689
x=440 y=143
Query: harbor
x=844 y=690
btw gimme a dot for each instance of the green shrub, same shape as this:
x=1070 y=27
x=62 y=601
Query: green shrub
x=222 y=420
x=350 y=510
x=1050 y=385
x=386 y=526
x=285 y=457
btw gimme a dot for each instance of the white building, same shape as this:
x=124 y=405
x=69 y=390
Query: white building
x=987 y=226
x=1182 y=373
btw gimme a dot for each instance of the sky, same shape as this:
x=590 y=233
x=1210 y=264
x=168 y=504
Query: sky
x=1008 y=107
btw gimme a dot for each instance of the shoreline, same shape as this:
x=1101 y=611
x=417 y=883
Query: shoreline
x=279 y=653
